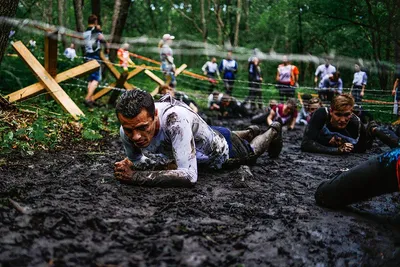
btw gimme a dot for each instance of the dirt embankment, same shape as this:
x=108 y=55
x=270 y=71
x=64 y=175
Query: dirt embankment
x=76 y=214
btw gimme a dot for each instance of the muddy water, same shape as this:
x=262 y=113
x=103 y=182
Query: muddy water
x=76 y=214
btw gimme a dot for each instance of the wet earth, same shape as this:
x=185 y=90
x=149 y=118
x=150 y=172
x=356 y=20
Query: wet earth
x=73 y=213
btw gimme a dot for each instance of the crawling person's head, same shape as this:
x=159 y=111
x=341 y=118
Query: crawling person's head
x=290 y=107
x=226 y=100
x=341 y=110
x=314 y=104
x=138 y=116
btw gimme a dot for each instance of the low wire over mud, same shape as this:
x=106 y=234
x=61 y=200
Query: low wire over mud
x=66 y=209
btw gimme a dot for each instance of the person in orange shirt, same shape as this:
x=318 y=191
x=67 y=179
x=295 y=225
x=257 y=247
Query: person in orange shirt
x=124 y=58
x=294 y=78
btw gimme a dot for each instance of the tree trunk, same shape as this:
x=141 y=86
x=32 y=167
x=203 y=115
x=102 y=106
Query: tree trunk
x=246 y=10
x=237 y=27
x=50 y=12
x=219 y=22
x=96 y=10
x=8 y=8
x=61 y=8
x=78 y=15
x=121 y=8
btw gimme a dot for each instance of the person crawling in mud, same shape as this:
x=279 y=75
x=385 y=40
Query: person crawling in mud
x=166 y=141
x=337 y=130
x=286 y=114
x=377 y=176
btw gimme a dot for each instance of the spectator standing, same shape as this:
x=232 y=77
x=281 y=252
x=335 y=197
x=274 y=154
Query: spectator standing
x=255 y=80
x=167 y=60
x=323 y=70
x=210 y=68
x=70 y=52
x=359 y=83
x=284 y=75
x=228 y=67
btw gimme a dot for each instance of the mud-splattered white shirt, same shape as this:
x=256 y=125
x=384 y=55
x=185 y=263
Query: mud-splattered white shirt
x=184 y=137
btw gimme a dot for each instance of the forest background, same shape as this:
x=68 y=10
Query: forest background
x=349 y=31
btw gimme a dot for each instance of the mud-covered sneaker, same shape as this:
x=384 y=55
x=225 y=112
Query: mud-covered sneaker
x=254 y=131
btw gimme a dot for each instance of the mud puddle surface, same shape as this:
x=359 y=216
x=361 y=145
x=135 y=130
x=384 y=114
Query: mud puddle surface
x=75 y=214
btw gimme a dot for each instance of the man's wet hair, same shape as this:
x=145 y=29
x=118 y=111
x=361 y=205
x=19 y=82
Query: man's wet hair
x=342 y=101
x=131 y=103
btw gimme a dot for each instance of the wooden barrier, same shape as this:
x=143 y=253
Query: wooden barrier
x=36 y=88
x=49 y=83
x=120 y=83
x=160 y=81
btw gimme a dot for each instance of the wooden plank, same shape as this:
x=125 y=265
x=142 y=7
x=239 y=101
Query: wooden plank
x=189 y=73
x=145 y=58
x=154 y=77
x=104 y=91
x=180 y=69
x=110 y=66
x=50 y=84
x=197 y=76
x=38 y=87
x=177 y=72
x=50 y=53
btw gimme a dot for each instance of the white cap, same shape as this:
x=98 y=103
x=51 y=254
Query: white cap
x=168 y=36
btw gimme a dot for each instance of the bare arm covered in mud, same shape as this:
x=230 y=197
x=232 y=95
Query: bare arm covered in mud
x=183 y=147
x=310 y=143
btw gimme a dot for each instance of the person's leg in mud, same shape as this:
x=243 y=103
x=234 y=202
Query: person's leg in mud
x=387 y=136
x=270 y=141
x=372 y=178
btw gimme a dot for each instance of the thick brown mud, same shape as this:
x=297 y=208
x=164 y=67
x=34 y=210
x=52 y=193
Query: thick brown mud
x=76 y=214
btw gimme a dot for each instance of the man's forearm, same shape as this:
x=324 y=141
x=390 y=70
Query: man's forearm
x=169 y=178
x=315 y=147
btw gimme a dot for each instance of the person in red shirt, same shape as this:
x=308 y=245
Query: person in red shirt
x=285 y=114
x=124 y=58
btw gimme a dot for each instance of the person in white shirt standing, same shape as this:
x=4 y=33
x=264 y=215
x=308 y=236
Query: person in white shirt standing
x=210 y=68
x=320 y=73
x=359 y=83
x=70 y=52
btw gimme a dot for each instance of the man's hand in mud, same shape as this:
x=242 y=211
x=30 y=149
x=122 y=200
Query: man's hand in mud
x=123 y=170
x=346 y=148
x=336 y=141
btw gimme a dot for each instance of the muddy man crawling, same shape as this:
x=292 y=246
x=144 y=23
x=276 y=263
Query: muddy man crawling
x=156 y=134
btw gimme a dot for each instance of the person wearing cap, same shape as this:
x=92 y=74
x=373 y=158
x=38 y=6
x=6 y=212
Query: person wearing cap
x=166 y=142
x=167 y=60
x=337 y=130
x=359 y=83
x=124 y=58
x=228 y=67
x=284 y=75
x=331 y=85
